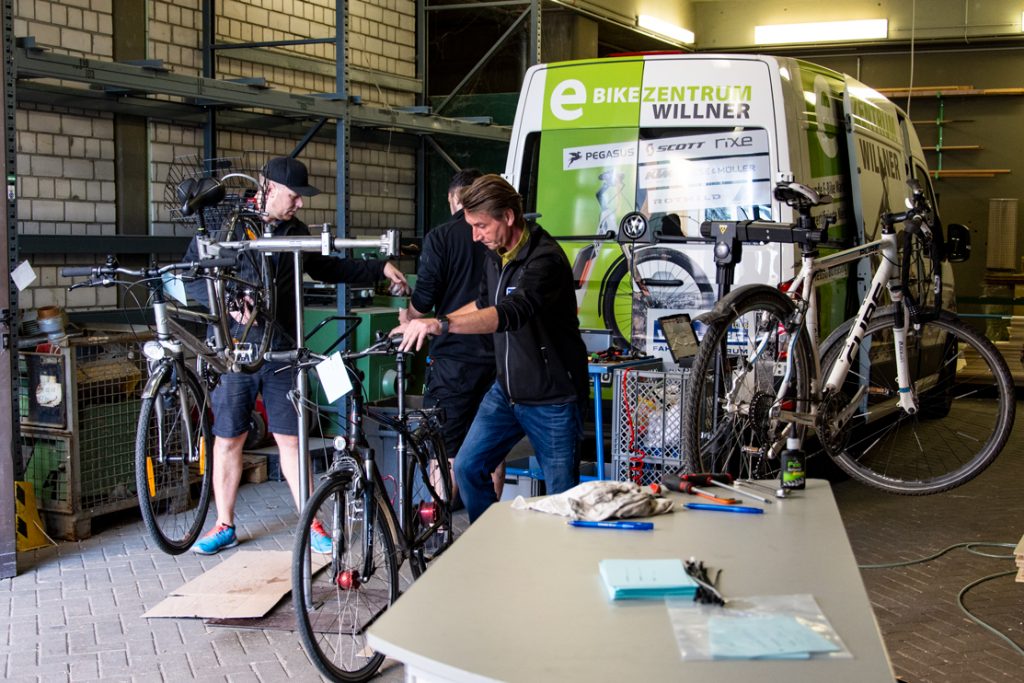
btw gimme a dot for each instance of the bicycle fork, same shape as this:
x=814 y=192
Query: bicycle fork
x=852 y=352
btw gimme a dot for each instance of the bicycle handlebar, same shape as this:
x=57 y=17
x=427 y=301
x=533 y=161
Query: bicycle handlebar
x=111 y=268
x=388 y=346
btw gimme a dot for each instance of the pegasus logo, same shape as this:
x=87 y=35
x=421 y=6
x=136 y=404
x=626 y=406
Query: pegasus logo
x=574 y=157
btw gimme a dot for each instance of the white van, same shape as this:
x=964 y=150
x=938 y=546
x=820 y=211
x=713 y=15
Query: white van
x=624 y=158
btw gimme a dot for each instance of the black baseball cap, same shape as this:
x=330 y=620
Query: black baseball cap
x=291 y=173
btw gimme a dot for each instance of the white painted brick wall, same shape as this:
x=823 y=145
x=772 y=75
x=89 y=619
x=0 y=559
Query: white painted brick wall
x=66 y=181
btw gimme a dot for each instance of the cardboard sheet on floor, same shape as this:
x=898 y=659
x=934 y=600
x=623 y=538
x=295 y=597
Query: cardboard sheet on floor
x=246 y=585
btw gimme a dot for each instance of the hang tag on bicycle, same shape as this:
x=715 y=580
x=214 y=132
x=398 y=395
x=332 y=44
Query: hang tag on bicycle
x=174 y=287
x=333 y=376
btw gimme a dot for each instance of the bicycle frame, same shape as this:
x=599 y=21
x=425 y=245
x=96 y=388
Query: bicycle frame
x=802 y=291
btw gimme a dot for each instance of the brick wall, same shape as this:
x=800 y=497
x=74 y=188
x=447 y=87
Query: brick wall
x=66 y=158
x=77 y=27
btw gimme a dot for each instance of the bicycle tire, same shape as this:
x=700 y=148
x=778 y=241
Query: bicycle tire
x=741 y=436
x=675 y=282
x=349 y=593
x=174 y=483
x=430 y=475
x=958 y=430
x=252 y=281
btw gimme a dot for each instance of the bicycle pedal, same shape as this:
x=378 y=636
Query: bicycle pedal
x=244 y=353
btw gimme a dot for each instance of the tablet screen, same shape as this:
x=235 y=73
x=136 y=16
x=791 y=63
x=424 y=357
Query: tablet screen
x=679 y=334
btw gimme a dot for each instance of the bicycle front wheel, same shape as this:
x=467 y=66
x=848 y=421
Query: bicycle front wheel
x=173 y=468
x=966 y=407
x=732 y=415
x=350 y=585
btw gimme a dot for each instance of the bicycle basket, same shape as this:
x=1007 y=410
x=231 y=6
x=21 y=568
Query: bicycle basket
x=195 y=167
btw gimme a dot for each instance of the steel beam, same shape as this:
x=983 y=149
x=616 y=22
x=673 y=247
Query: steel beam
x=30 y=64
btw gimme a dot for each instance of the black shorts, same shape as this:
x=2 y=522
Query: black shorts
x=458 y=387
x=235 y=397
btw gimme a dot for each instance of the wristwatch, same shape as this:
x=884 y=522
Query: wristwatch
x=443 y=319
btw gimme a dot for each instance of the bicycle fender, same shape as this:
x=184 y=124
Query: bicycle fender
x=725 y=305
x=155 y=377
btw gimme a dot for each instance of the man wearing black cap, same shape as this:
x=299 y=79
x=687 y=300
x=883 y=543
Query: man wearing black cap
x=284 y=183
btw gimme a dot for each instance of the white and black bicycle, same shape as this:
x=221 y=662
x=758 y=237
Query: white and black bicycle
x=903 y=396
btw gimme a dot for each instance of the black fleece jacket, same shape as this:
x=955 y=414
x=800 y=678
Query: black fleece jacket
x=540 y=356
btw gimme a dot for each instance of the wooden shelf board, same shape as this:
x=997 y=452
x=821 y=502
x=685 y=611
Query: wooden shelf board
x=896 y=93
x=941 y=122
x=969 y=172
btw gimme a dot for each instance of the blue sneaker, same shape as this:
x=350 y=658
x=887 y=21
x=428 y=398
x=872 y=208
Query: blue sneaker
x=221 y=538
x=319 y=541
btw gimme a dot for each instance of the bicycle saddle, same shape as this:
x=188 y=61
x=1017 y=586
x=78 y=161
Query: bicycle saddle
x=800 y=196
x=199 y=193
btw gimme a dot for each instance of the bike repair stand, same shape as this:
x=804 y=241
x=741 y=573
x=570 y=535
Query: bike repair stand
x=728 y=252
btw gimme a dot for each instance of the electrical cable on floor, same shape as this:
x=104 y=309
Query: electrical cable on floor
x=969 y=547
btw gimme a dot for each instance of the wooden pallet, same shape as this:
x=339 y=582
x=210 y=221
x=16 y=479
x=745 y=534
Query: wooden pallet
x=254 y=468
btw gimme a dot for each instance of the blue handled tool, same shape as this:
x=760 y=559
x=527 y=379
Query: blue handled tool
x=725 y=508
x=630 y=526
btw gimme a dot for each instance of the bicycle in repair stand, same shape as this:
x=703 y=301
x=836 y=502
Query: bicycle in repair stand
x=904 y=397
x=174 y=439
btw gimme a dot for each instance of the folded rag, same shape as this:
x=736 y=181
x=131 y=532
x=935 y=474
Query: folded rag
x=599 y=500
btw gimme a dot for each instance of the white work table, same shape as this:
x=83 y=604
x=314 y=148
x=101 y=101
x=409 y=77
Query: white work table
x=518 y=598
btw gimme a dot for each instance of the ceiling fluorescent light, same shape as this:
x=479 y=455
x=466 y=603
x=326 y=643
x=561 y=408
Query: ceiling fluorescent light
x=821 y=32
x=664 y=28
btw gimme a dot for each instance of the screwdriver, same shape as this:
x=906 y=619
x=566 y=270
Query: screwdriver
x=676 y=483
x=742 y=493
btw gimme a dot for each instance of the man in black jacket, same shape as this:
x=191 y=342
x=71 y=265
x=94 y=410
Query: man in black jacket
x=528 y=301
x=461 y=371
x=285 y=182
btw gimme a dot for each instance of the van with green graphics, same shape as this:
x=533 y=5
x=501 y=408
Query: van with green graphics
x=625 y=157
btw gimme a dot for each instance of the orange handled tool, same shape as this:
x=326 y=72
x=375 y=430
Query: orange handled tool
x=685 y=485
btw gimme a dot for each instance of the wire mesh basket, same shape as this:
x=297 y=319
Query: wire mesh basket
x=231 y=171
x=647 y=424
x=80 y=407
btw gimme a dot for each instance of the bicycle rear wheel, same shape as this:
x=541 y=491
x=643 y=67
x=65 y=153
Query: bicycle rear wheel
x=966 y=407
x=351 y=586
x=173 y=467
x=429 y=484
x=731 y=416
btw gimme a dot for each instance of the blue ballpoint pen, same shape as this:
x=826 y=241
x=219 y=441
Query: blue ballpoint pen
x=725 y=508
x=631 y=526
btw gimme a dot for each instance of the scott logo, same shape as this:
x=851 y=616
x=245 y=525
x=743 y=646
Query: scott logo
x=567 y=99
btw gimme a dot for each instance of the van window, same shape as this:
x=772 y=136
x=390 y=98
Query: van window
x=677 y=177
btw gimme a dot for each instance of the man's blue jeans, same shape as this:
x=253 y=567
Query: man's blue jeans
x=554 y=432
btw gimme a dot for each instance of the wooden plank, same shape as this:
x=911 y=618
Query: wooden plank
x=924 y=88
x=894 y=93
x=940 y=122
x=969 y=172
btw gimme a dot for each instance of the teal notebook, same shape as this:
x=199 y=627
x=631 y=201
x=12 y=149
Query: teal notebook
x=646 y=579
